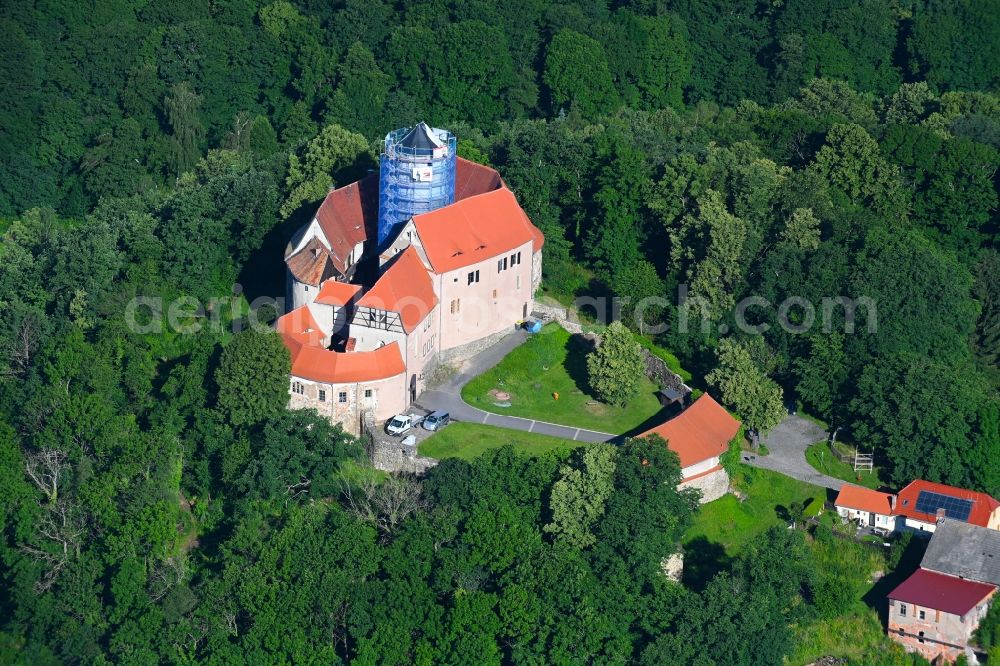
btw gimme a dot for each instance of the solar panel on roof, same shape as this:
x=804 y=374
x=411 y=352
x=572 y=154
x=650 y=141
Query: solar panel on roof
x=954 y=507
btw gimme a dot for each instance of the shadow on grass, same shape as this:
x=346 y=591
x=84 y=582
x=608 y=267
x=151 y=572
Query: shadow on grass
x=577 y=348
x=703 y=560
x=909 y=562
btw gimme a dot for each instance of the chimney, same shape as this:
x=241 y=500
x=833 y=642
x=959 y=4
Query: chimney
x=940 y=515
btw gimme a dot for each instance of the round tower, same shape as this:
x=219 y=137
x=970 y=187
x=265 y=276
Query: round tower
x=417 y=175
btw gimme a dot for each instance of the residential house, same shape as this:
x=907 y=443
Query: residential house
x=869 y=508
x=937 y=609
x=936 y=614
x=921 y=504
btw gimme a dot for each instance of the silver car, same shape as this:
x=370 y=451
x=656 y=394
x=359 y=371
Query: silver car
x=436 y=420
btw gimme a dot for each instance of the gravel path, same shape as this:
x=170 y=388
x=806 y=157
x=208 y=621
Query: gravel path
x=787 y=445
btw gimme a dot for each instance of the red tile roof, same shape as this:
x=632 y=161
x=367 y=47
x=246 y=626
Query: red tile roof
x=337 y=293
x=941 y=592
x=405 y=287
x=472 y=178
x=700 y=432
x=864 y=499
x=346 y=215
x=312 y=264
x=983 y=505
x=300 y=325
x=322 y=365
x=474 y=229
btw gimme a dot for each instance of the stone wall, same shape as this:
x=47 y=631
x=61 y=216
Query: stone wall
x=394 y=456
x=660 y=374
x=457 y=355
x=345 y=413
x=712 y=486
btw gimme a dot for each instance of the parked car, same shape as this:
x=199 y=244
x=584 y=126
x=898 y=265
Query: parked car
x=436 y=420
x=399 y=424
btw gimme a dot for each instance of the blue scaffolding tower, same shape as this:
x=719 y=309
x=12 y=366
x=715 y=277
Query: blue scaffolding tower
x=417 y=175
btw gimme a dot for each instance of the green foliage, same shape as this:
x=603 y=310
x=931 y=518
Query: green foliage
x=577 y=75
x=614 y=368
x=253 y=377
x=746 y=389
x=147 y=150
x=579 y=494
x=311 y=175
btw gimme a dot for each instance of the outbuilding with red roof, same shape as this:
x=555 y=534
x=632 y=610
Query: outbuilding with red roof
x=699 y=435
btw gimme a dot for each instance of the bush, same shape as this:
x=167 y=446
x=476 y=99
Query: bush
x=832 y=596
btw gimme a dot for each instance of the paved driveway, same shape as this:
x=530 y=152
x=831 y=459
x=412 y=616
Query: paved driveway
x=787 y=446
x=448 y=397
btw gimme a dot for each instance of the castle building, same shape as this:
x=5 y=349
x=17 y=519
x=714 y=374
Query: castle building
x=429 y=261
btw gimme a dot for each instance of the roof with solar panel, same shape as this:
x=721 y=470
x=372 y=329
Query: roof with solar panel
x=927 y=502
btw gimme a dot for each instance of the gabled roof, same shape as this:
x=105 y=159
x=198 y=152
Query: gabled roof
x=322 y=365
x=983 y=505
x=940 y=592
x=337 y=293
x=967 y=551
x=300 y=325
x=472 y=178
x=864 y=499
x=346 y=215
x=474 y=229
x=405 y=287
x=700 y=432
x=312 y=264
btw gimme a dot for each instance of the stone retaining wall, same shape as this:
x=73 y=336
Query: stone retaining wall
x=457 y=355
x=657 y=369
x=394 y=456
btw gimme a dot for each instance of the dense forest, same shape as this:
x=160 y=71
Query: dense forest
x=161 y=506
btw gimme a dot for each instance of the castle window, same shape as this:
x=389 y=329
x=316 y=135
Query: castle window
x=368 y=393
x=473 y=277
x=298 y=388
x=518 y=282
x=494 y=293
x=322 y=395
x=902 y=610
x=342 y=396
x=921 y=614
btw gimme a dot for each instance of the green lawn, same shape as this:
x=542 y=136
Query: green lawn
x=731 y=523
x=823 y=460
x=553 y=362
x=468 y=440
